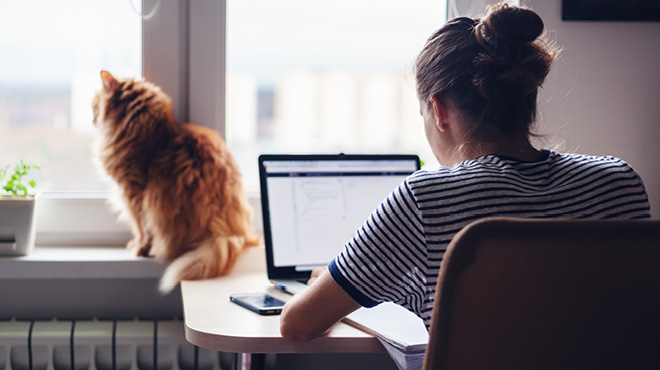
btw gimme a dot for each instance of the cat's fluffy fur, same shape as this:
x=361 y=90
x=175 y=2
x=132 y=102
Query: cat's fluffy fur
x=180 y=187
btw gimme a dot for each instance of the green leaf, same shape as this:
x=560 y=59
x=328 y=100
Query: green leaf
x=16 y=185
x=21 y=189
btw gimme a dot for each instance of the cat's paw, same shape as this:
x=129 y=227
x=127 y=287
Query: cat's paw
x=144 y=251
x=138 y=248
x=132 y=246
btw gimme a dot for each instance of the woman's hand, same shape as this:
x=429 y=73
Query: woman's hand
x=316 y=309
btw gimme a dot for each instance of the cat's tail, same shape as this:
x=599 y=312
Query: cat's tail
x=212 y=258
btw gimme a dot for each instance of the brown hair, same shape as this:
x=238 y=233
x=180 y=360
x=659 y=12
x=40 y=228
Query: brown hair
x=491 y=68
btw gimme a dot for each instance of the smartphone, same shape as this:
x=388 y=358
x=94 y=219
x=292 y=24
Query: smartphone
x=261 y=303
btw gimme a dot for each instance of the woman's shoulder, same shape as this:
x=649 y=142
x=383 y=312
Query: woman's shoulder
x=578 y=156
x=430 y=175
x=586 y=160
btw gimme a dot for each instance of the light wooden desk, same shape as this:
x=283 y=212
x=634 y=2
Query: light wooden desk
x=213 y=322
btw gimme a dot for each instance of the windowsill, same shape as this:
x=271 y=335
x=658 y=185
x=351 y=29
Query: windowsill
x=78 y=237
x=80 y=263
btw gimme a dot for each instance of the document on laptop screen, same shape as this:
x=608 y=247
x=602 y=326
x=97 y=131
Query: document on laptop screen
x=317 y=206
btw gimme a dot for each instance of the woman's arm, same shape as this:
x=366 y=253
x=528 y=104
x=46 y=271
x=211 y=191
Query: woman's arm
x=312 y=312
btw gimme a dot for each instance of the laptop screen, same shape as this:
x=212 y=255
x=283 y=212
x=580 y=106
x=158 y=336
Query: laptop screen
x=312 y=205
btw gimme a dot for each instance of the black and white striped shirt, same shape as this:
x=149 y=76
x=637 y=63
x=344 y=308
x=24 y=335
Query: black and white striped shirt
x=395 y=256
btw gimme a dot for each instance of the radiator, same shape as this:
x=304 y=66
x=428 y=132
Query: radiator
x=103 y=345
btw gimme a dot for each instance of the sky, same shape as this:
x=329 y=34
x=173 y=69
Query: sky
x=265 y=37
x=44 y=42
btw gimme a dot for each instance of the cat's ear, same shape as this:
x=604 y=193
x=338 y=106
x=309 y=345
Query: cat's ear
x=109 y=82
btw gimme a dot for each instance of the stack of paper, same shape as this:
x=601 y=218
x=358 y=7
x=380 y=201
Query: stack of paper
x=402 y=333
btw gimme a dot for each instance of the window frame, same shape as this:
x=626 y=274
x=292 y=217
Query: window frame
x=183 y=51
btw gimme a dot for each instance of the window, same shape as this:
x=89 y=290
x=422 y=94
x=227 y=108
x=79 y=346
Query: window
x=52 y=54
x=358 y=54
x=325 y=77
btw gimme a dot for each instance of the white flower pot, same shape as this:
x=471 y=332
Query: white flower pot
x=17 y=225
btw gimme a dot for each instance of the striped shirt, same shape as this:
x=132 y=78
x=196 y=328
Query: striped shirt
x=395 y=256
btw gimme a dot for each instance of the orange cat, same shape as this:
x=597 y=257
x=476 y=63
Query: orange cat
x=179 y=184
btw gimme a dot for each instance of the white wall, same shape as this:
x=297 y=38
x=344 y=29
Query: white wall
x=603 y=95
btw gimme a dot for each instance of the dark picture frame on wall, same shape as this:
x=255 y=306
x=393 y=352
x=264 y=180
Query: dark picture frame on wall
x=611 y=10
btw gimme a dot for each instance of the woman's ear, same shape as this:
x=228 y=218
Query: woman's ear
x=440 y=112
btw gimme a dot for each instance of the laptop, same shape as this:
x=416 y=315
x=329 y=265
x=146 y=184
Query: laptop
x=313 y=204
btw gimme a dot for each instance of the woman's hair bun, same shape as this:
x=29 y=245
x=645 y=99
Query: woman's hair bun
x=513 y=59
x=506 y=26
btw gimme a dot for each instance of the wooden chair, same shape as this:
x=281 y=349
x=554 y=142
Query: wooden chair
x=548 y=294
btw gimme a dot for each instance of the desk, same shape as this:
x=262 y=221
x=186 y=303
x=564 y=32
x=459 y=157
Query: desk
x=213 y=322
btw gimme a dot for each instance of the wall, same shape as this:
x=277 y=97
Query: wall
x=603 y=94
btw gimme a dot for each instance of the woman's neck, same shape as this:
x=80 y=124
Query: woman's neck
x=520 y=149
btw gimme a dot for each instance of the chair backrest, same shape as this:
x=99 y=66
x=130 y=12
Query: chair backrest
x=548 y=294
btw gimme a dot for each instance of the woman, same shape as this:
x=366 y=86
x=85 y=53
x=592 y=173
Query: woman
x=477 y=84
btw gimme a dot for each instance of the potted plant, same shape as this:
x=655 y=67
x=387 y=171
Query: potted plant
x=17 y=224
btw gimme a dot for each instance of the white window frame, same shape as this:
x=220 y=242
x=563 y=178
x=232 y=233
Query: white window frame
x=183 y=51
